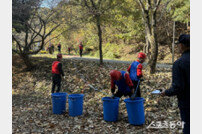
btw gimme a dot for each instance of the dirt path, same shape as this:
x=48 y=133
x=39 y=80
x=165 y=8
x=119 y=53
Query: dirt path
x=159 y=65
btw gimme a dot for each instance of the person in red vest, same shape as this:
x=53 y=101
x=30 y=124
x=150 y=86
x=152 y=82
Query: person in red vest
x=80 y=49
x=57 y=72
x=122 y=80
x=135 y=71
x=69 y=49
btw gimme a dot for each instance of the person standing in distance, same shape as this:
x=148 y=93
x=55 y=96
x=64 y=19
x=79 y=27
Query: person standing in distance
x=80 y=49
x=59 y=47
x=57 y=73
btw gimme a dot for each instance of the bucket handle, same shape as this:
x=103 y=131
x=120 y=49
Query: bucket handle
x=137 y=88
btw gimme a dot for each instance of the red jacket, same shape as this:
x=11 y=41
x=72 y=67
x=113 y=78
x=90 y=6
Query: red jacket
x=55 y=69
x=139 y=70
x=80 y=47
x=115 y=75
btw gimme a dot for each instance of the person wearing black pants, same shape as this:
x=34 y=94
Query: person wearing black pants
x=135 y=71
x=81 y=49
x=181 y=81
x=59 y=47
x=185 y=117
x=57 y=73
x=56 y=82
x=122 y=80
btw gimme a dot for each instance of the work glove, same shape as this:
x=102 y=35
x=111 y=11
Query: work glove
x=112 y=91
x=112 y=97
x=162 y=92
x=132 y=96
x=62 y=78
x=132 y=90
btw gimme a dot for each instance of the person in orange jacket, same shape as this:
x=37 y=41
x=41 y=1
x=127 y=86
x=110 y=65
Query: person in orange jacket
x=135 y=71
x=122 y=80
x=69 y=50
x=57 y=72
x=80 y=49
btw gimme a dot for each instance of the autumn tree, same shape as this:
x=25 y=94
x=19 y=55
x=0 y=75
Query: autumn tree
x=96 y=11
x=30 y=22
x=149 y=12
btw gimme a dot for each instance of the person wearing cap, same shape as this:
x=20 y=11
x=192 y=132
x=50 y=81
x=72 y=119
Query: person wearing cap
x=135 y=71
x=57 y=72
x=80 y=49
x=181 y=81
x=122 y=80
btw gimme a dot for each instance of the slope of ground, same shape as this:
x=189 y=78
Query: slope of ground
x=32 y=107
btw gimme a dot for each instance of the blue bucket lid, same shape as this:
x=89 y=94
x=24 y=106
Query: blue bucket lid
x=59 y=94
x=110 y=99
x=75 y=95
x=137 y=99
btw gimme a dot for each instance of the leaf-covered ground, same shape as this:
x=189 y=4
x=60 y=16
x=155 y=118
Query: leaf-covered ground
x=32 y=107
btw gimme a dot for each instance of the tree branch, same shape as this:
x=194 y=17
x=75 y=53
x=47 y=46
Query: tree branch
x=52 y=30
x=164 y=9
x=156 y=5
x=15 y=51
x=142 y=6
x=93 y=4
x=18 y=43
x=86 y=4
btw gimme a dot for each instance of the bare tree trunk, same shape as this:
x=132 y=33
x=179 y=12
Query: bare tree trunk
x=27 y=61
x=149 y=17
x=147 y=47
x=100 y=38
x=152 y=37
x=154 y=54
x=173 y=47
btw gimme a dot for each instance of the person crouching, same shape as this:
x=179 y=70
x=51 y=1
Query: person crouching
x=122 y=80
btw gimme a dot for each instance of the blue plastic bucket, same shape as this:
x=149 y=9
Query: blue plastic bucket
x=110 y=108
x=135 y=110
x=59 y=102
x=75 y=104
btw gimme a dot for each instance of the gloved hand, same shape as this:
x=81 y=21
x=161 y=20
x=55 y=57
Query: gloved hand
x=112 y=91
x=133 y=97
x=163 y=92
x=112 y=96
x=132 y=90
x=62 y=78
